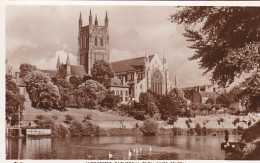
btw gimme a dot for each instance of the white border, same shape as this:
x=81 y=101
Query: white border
x=4 y=3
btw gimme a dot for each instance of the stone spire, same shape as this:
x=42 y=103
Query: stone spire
x=96 y=21
x=106 y=20
x=90 y=18
x=58 y=63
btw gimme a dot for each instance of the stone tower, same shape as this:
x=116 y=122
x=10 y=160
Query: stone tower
x=93 y=42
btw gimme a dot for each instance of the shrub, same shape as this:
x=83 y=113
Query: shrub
x=198 y=129
x=69 y=117
x=76 y=128
x=150 y=126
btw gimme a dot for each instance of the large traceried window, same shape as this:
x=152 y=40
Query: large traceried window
x=157 y=81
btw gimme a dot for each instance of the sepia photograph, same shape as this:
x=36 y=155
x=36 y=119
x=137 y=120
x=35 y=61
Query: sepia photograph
x=132 y=82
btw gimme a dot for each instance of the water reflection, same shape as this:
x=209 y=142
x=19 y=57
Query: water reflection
x=162 y=147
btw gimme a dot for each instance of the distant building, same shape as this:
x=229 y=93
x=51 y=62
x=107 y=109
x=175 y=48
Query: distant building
x=200 y=94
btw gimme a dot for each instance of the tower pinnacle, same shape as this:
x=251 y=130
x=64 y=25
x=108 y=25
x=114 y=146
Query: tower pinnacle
x=58 y=63
x=68 y=60
x=90 y=18
x=96 y=21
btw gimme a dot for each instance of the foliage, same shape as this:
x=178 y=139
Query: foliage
x=25 y=69
x=13 y=100
x=78 y=128
x=42 y=92
x=102 y=72
x=111 y=100
x=211 y=101
x=252 y=132
x=69 y=117
x=178 y=98
x=188 y=121
x=75 y=81
x=150 y=126
x=237 y=120
x=225 y=38
x=198 y=129
x=172 y=120
x=250 y=92
x=89 y=94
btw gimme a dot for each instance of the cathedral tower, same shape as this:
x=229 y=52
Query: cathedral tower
x=93 y=42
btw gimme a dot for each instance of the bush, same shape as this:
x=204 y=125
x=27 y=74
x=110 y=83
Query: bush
x=198 y=129
x=69 y=117
x=150 y=126
x=176 y=131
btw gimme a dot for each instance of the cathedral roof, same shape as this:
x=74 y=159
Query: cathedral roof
x=78 y=70
x=50 y=72
x=129 y=64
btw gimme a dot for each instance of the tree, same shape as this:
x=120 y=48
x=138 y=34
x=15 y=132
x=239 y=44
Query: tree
x=150 y=126
x=26 y=68
x=111 y=100
x=250 y=92
x=13 y=100
x=226 y=40
x=102 y=72
x=178 y=100
x=42 y=92
x=75 y=81
x=89 y=94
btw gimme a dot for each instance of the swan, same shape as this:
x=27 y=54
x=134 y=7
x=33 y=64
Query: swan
x=110 y=155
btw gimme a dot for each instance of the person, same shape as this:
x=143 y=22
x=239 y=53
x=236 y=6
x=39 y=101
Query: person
x=30 y=124
x=226 y=135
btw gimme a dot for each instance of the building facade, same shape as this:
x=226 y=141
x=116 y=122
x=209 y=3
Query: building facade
x=93 y=42
x=143 y=74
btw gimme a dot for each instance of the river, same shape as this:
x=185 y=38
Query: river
x=98 y=148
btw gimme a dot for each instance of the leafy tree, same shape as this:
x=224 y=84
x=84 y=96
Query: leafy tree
x=42 y=92
x=89 y=94
x=198 y=129
x=172 y=120
x=102 y=72
x=226 y=42
x=178 y=100
x=226 y=38
x=147 y=103
x=150 y=126
x=13 y=100
x=250 y=92
x=75 y=81
x=26 y=68
x=111 y=100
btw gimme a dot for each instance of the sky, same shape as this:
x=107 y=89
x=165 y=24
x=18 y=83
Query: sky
x=39 y=34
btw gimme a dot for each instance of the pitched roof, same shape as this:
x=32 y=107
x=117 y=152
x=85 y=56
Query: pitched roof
x=129 y=64
x=116 y=83
x=50 y=72
x=78 y=70
x=208 y=94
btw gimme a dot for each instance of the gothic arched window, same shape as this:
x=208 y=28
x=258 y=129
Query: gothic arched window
x=157 y=81
x=96 y=41
x=101 y=42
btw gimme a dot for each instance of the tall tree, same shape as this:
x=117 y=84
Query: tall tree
x=226 y=40
x=41 y=90
x=26 y=68
x=13 y=100
x=102 y=72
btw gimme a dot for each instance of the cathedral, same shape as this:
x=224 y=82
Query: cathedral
x=131 y=77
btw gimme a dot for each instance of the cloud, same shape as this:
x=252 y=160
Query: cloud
x=50 y=63
x=38 y=34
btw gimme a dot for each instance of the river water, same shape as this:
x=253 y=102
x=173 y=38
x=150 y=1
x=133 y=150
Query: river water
x=93 y=148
